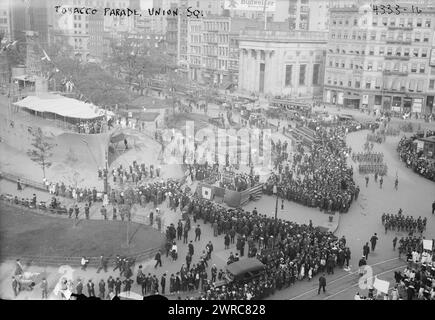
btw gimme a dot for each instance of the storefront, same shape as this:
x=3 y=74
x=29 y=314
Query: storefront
x=386 y=103
x=377 y=105
x=430 y=101
x=417 y=104
x=407 y=103
x=396 y=104
x=365 y=101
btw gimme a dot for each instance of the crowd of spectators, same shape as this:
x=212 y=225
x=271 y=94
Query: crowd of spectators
x=319 y=178
x=91 y=126
x=414 y=159
x=135 y=173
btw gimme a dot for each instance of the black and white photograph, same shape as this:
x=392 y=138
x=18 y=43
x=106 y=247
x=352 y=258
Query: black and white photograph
x=217 y=150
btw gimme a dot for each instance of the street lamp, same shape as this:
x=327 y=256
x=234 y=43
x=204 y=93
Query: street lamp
x=275 y=192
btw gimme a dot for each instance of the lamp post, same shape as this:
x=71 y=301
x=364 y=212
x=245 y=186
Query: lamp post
x=275 y=192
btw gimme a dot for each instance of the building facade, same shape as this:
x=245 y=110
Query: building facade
x=380 y=61
x=282 y=63
x=5 y=25
x=214 y=48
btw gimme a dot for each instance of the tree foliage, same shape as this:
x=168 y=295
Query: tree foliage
x=41 y=151
x=89 y=80
x=136 y=60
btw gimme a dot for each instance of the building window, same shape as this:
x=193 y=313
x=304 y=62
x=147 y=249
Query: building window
x=357 y=84
x=349 y=83
x=387 y=66
x=417 y=37
x=373 y=35
x=414 y=68
x=402 y=22
x=316 y=69
x=330 y=62
x=353 y=36
x=422 y=67
x=302 y=74
x=375 y=22
x=368 y=84
x=381 y=51
x=389 y=51
x=432 y=84
x=415 y=52
x=392 y=22
x=427 y=23
x=355 y=22
x=383 y=36
x=288 y=75
x=406 y=53
x=369 y=66
x=426 y=37
x=378 y=83
x=419 y=22
x=384 y=21
x=424 y=52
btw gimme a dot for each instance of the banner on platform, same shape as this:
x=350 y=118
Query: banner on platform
x=251 y=5
x=206 y=193
x=381 y=285
x=427 y=244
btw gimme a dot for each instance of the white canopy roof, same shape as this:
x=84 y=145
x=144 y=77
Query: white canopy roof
x=66 y=107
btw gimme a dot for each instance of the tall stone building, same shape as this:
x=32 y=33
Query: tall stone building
x=282 y=63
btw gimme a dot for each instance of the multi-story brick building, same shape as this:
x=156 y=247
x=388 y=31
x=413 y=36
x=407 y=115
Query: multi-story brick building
x=214 y=48
x=282 y=63
x=380 y=61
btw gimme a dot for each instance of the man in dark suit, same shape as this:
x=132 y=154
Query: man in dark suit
x=322 y=284
x=366 y=250
x=198 y=233
x=158 y=259
x=163 y=283
x=118 y=284
x=91 y=288
x=433 y=207
x=373 y=241
x=191 y=248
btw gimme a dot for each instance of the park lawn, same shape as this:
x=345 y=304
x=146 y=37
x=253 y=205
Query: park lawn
x=25 y=233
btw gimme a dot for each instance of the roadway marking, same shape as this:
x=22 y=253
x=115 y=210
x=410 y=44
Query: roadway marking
x=350 y=273
x=341 y=291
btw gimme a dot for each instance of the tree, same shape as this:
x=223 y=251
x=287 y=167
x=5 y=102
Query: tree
x=13 y=53
x=41 y=152
x=137 y=59
x=90 y=81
